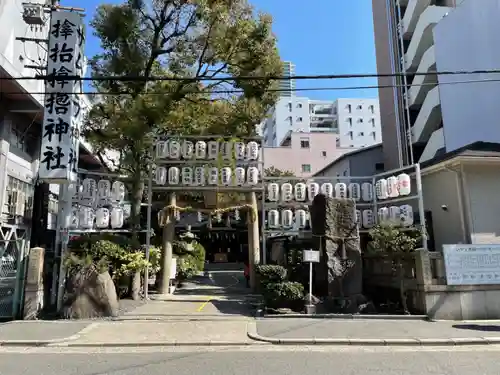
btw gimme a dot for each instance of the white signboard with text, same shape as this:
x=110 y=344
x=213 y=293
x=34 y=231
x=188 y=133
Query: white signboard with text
x=472 y=264
x=63 y=109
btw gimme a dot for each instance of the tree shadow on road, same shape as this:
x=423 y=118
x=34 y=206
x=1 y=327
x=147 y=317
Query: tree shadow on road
x=478 y=327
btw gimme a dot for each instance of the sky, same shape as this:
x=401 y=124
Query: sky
x=326 y=37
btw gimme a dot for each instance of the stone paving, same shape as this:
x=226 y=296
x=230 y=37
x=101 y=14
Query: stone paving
x=38 y=330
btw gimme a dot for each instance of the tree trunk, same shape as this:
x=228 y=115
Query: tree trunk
x=253 y=241
x=166 y=254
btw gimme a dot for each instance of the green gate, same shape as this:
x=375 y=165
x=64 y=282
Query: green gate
x=12 y=255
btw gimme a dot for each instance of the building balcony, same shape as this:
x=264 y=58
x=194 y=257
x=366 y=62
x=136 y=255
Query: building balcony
x=429 y=117
x=422 y=38
x=412 y=13
x=422 y=84
x=433 y=146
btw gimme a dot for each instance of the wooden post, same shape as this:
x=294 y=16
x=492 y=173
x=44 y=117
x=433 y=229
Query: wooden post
x=253 y=240
x=167 y=250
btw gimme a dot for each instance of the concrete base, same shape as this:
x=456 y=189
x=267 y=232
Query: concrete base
x=310 y=309
x=462 y=303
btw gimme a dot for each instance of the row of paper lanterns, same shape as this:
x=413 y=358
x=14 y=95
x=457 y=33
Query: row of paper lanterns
x=102 y=218
x=200 y=176
x=398 y=216
x=385 y=188
x=91 y=191
x=173 y=149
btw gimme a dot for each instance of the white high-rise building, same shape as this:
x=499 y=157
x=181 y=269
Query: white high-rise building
x=356 y=121
x=287 y=87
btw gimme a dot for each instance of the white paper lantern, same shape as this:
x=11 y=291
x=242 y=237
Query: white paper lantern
x=368 y=219
x=177 y=215
x=253 y=176
x=340 y=190
x=187 y=176
x=161 y=175
x=239 y=176
x=199 y=176
x=383 y=215
x=199 y=215
x=252 y=150
x=117 y=218
x=104 y=189
x=213 y=176
x=213 y=150
x=301 y=218
x=237 y=216
x=187 y=150
x=367 y=192
x=407 y=217
x=327 y=189
x=354 y=191
x=273 y=193
x=200 y=150
x=381 y=189
x=273 y=218
x=86 y=218
x=161 y=150
x=118 y=191
x=312 y=190
x=226 y=150
x=226 y=176
x=392 y=187
x=174 y=149
x=404 y=182
x=300 y=192
x=395 y=215
x=173 y=176
x=218 y=217
x=102 y=218
x=89 y=191
x=287 y=219
x=286 y=192
x=240 y=150
x=359 y=218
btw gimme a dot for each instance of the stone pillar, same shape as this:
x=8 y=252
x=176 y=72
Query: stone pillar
x=253 y=240
x=423 y=275
x=33 y=289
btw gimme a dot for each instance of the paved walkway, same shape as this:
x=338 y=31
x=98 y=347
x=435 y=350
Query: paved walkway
x=376 y=330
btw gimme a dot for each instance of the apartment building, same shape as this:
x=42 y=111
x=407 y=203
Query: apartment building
x=287 y=87
x=411 y=110
x=304 y=153
x=355 y=121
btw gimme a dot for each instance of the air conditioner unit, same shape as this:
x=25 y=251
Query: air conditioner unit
x=20 y=203
x=34 y=14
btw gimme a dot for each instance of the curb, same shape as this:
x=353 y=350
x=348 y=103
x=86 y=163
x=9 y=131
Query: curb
x=254 y=335
x=261 y=315
x=48 y=342
x=153 y=344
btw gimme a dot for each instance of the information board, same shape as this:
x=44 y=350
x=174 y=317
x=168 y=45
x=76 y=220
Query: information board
x=472 y=264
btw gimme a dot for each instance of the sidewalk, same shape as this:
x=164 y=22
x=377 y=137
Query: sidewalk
x=40 y=332
x=375 y=332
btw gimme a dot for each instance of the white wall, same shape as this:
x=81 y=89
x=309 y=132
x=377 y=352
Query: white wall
x=468 y=39
x=11 y=50
x=362 y=129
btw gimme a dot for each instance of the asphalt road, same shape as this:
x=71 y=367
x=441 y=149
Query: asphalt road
x=254 y=361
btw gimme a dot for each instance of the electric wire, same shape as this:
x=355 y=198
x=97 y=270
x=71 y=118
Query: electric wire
x=247 y=78
x=202 y=92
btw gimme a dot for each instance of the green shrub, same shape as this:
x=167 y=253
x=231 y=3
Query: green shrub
x=270 y=273
x=199 y=256
x=287 y=294
x=186 y=267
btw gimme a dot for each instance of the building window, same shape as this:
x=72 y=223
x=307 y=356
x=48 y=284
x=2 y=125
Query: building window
x=299 y=119
x=349 y=109
x=306 y=168
x=372 y=121
x=379 y=167
x=304 y=143
x=290 y=120
x=349 y=121
x=350 y=136
x=323 y=153
x=18 y=198
x=374 y=135
x=290 y=107
x=360 y=120
x=337 y=142
x=372 y=109
x=360 y=107
x=299 y=105
x=361 y=134
x=345 y=173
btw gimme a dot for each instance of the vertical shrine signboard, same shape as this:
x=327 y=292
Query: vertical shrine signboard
x=63 y=111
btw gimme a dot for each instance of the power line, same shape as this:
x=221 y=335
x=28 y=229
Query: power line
x=341 y=88
x=125 y=78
